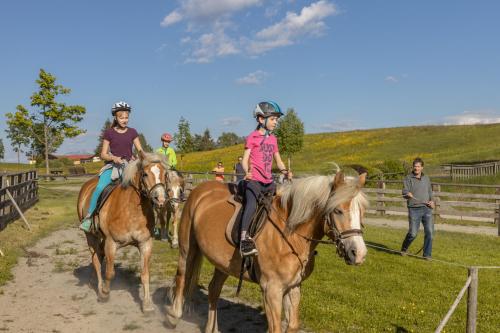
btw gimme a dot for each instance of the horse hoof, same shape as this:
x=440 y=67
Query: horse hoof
x=175 y=245
x=103 y=297
x=171 y=321
x=148 y=309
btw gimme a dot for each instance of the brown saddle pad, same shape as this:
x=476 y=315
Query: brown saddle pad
x=233 y=228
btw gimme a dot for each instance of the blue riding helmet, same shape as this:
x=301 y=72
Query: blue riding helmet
x=267 y=109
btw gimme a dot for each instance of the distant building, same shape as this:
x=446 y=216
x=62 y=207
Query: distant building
x=81 y=158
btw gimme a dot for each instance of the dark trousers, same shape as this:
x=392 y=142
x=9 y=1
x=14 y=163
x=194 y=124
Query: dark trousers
x=253 y=190
x=415 y=216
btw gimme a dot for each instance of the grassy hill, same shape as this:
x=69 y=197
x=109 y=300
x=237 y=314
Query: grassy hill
x=435 y=144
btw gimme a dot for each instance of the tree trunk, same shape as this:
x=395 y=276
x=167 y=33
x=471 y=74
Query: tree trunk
x=18 y=158
x=46 y=141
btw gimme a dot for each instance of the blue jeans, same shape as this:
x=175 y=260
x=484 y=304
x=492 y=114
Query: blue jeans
x=415 y=216
x=104 y=180
x=253 y=191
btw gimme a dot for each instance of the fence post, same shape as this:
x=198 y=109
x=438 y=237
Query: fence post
x=437 y=200
x=380 y=195
x=472 y=301
x=497 y=218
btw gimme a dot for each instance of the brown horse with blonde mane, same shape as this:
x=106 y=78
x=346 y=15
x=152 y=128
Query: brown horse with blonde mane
x=301 y=214
x=127 y=218
x=170 y=211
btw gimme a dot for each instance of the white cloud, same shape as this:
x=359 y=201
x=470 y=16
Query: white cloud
x=171 y=18
x=474 y=117
x=288 y=31
x=231 y=121
x=211 y=45
x=212 y=33
x=256 y=77
x=392 y=79
x=202 y=10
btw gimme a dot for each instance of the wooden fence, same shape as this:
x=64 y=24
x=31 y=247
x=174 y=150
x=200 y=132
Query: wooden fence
x=23 y=188
x=463 y=171
x=466 y=204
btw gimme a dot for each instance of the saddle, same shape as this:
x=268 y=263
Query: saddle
x=106 y=192
x=233 y=228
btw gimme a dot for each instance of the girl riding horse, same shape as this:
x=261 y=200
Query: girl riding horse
x=260 y=149
x=116 y=150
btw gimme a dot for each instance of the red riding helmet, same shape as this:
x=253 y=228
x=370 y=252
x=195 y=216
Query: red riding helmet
x=166 y=137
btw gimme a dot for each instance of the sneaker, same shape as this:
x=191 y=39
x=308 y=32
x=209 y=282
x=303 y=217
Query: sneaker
x=247 y=247
x=86 y=224
x=427 y=257
x=404 y=253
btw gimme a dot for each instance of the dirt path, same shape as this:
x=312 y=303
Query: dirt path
x=51 y=293
x=403 y=224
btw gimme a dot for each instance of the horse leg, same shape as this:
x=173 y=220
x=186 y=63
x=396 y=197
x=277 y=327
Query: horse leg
x=188 y=271
x=291 y=302
x=167 y=222
x=214 y=290
x=163 y=226
x=97 y=257
x=110 y=252
x=175 y=225
x=273 y=300
x=145 y=250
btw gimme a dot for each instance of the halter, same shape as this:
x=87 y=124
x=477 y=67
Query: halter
x=143 y=187
x=336 y=236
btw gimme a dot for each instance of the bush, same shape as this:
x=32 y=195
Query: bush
x=392 y=169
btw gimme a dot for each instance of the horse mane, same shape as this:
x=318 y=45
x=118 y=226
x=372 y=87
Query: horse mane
x=175 y=177
x=133 y=167
x=310 y=196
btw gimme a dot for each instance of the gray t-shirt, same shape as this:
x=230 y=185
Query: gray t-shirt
x=421 y=189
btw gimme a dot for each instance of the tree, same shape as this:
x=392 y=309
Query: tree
x=98 y=149
x=49 y=122
x=2 y=150
x=204 y=142
x=290 y=133
x=145 y=146
x=227 y=139
x=183 y=138
x=17 y=132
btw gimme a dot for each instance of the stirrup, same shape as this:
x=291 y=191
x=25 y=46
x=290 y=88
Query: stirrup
x=247 y=247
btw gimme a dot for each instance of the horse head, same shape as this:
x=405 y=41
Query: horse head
x=147 y=176
x=343 y=219
x=175 y=185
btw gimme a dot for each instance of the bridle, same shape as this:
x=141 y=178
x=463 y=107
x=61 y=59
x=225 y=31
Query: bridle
x=143 y=189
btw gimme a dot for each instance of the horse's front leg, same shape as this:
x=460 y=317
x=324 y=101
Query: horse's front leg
x=214 y=289
x=145 y=249
x=164 y=224
x=273 y=300
x=97 y=257
x=110 y=253
x=291 y=302
x=175 y=225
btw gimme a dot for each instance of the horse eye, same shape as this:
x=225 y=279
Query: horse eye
x=337 y=211
x=145 y=175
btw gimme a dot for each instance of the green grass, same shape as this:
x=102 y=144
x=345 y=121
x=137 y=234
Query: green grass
x=388 y=292
x=49 y=214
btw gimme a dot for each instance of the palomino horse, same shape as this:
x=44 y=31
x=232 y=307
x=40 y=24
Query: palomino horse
x=300 y=215
x=127 y=218
x=175 y=187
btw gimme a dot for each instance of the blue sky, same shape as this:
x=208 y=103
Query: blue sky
x=341 y=64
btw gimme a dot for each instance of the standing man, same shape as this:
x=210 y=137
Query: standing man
x=238 y=170
x=166 y=150
x=418 y=192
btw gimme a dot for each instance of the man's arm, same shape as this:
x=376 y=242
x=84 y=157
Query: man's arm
x=406 y=188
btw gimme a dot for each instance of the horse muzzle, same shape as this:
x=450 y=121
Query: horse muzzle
x=354 y=250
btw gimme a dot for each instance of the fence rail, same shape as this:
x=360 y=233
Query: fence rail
x=24 y=189
x=464 y=206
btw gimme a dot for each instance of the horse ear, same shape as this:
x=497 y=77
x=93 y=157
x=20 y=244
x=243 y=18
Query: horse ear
x=362 y=179
x=339 y=179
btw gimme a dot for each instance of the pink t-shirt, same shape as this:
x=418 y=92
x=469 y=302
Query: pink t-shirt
x=261 y=156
